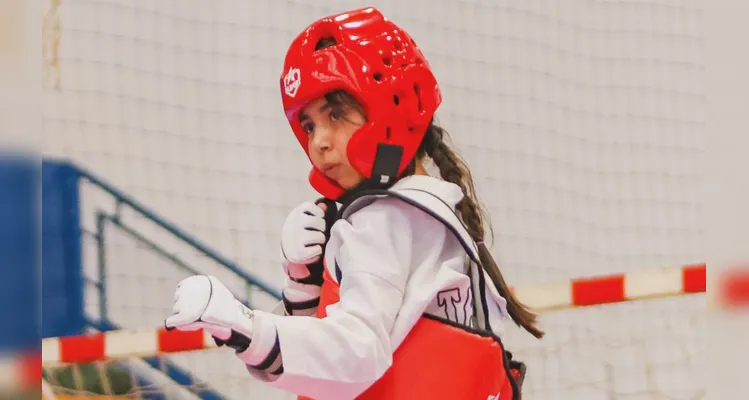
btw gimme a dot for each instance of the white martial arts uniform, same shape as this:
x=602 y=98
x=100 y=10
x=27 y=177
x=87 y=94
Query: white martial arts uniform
x=396 y=262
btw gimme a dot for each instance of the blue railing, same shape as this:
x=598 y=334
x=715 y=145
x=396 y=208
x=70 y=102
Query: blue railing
x=102 y=219
x=122 y=200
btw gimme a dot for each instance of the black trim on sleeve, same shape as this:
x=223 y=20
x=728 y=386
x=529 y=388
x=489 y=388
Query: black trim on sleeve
x=277 y=371
x=338 y=273
x=291 y=306
x=274 y=353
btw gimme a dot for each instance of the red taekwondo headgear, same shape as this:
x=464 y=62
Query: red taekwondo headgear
x=378 y=64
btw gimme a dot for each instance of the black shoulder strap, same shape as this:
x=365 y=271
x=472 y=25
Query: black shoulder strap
x=453 y=223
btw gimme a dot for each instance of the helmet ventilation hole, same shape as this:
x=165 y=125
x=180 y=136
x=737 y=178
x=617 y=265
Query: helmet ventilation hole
x=387 y=61
x=377 y=76
x=325 y=42
x=396 y=100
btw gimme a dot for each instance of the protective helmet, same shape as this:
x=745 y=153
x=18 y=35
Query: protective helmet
x=382 y=68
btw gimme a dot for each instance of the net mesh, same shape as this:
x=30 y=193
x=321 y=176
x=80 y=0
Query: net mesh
x=651 y=349
x=582 y=123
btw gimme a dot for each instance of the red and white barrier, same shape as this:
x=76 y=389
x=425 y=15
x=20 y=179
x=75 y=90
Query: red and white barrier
x=121 y=344
x=26 y=371
x=629 y=286
x=554 y=296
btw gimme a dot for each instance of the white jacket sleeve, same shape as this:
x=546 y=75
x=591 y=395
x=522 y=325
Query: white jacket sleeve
x=342 y=355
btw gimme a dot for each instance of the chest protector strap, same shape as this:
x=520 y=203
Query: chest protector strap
x=442 y=212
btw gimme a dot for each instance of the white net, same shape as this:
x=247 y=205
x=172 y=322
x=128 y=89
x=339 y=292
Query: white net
x=642 y=350
x=582 y=122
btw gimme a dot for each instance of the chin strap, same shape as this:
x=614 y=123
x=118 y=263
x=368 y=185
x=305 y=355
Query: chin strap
x=384 y=172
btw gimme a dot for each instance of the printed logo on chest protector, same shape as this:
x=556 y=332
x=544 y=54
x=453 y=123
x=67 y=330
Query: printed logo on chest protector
x=292 y=81
x=495 y=397
x=456 y=305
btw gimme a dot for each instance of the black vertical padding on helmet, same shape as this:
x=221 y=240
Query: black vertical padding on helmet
x=386 y=164
x=384 y=172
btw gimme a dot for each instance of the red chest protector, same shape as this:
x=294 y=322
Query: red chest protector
x=440 y=359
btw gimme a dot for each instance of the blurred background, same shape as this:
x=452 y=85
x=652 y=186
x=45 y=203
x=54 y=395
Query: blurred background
x=165 y=153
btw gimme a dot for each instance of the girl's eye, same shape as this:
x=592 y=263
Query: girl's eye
x=308 y=127
x=335 y=115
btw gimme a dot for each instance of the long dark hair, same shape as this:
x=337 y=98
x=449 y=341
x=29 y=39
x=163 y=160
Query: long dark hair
x=453 y=168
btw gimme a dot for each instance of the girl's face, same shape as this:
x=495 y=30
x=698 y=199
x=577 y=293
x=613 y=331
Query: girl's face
x=329 y=127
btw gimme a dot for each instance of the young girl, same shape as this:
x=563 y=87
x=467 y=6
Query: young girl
x=394 y=295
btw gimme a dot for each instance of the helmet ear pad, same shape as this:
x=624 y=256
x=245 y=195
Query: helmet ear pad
x=324 y=185
x=409 y=109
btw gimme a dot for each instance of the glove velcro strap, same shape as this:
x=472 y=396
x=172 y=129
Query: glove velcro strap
x=304 y=308
x=315 y=275
x=236 y=341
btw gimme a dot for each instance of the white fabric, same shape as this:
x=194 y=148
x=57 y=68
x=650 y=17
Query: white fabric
x=397 y=262
x=263 y=340
x=497 y=304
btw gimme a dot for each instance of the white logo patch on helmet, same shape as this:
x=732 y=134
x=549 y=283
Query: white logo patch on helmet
x=292 y=81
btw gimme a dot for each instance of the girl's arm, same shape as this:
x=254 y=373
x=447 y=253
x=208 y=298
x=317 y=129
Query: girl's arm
x=344 y=353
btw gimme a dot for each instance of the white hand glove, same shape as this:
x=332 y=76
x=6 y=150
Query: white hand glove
x=303 y=238
x=303 y=234
x=203 y=302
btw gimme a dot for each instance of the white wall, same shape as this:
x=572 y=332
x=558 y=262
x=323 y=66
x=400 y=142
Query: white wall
x=583 y=123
